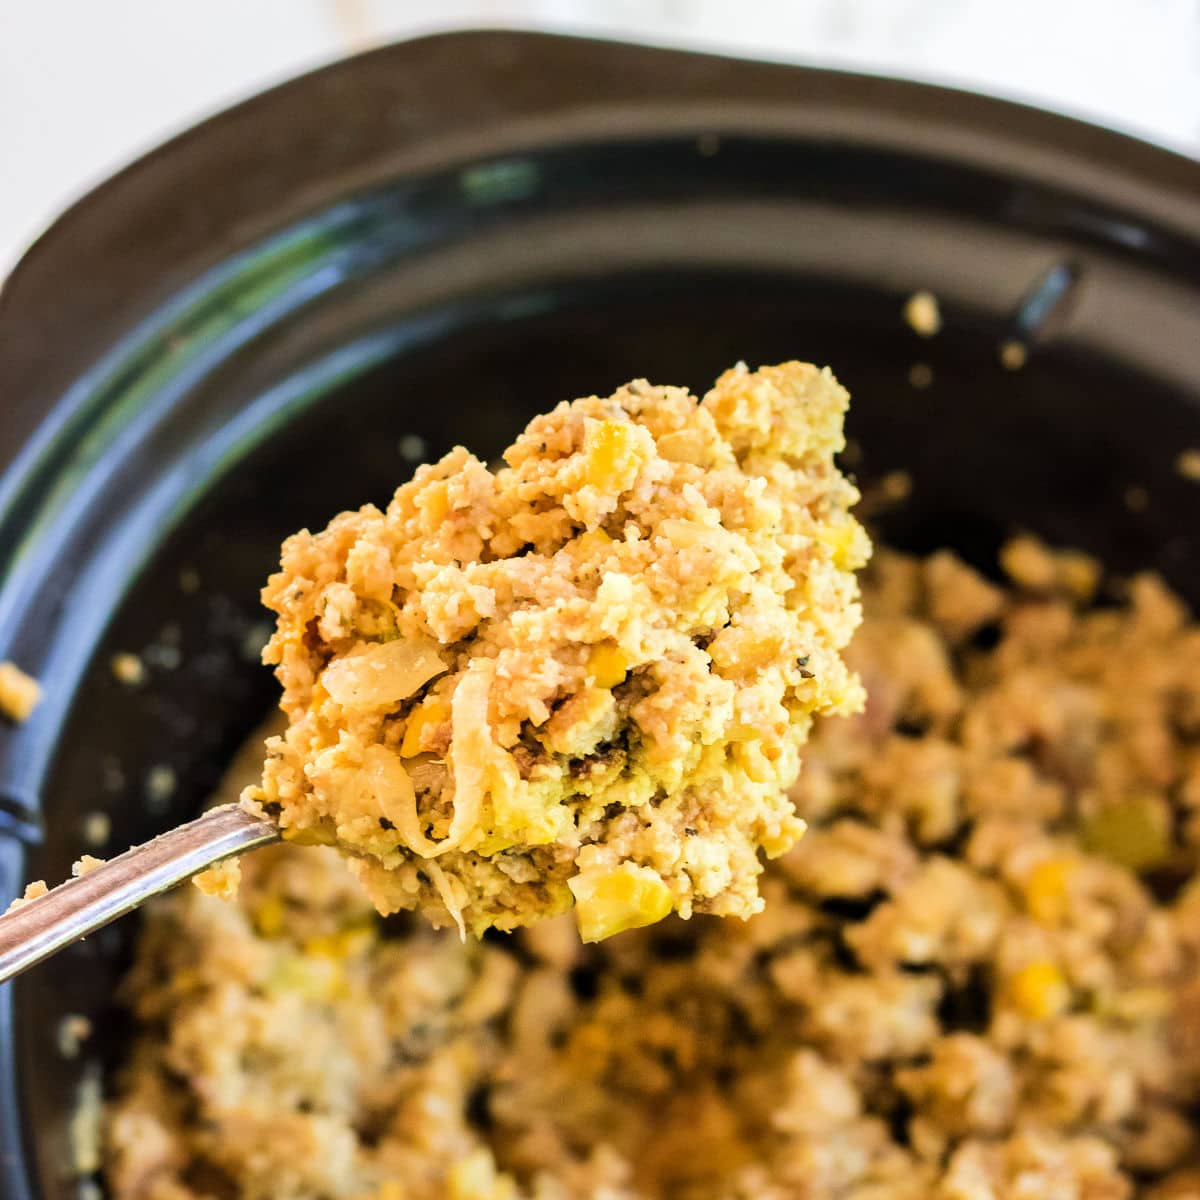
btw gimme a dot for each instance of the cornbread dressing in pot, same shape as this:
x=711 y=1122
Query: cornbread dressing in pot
x=975 y=978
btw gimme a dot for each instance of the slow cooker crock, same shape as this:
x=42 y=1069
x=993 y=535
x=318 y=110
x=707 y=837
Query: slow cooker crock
x=271 y=317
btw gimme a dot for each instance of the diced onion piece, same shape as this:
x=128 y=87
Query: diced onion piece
x=450 y=899
x=384 y=774
x=383 y=674
x=483 y=771
x=470 y=746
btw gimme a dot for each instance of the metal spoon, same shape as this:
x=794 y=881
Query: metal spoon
x=41 y=927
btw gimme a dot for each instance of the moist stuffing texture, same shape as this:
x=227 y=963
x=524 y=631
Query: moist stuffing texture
x=976 y=978
x=584 y=677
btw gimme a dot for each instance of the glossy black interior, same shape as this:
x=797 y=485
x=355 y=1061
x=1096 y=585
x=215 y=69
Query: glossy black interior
x=452 y=305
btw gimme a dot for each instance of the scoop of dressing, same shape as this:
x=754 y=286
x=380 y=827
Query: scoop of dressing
x=583 y=678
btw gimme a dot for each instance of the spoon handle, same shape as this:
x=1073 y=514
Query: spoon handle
x=39 y=928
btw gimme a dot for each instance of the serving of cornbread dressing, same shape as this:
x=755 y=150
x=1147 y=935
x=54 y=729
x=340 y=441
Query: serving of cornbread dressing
x=581 y=680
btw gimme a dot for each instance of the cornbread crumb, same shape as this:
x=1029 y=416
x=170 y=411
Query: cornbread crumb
x=163 y=655
x=19 y=692
x=73 y=1030
x=887 y=492
x=1188 y=465
x=112 y=775
x=920 y=375
x=254 y=640
x=412 y=447
x=584 y=677
x=96 y=828
x=1032 y=565
x=159 y=786
x=33 y=891
x=923 y=315
x=1013 y=355
x=85 y=864
x=38 y=888
x=221 y=881
x=896 y=485
x=1137 y=498
x=128 y=669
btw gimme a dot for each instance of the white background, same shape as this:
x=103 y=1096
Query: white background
x=87 y=85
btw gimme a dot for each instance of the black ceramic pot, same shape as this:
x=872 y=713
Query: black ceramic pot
x=263 y=321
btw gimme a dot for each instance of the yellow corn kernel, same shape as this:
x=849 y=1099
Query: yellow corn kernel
x=607 y=664
x=590 y=1048
x=783 y=837
x=849 y=542
x=476 y=1178
x=343 y=944
x=1079 y=573
x=185 y=979
x=434 y=504
x=268 y=916
x=1133 y=833
x=311 y=977
x=592 y=541
x=495 y=844
x=427 y=717
x=1039 y=991
x=611 y=456
x=322 y=945
x=1047 y=890
x=750 y=758
x=626 y=898
x=391 y=1189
